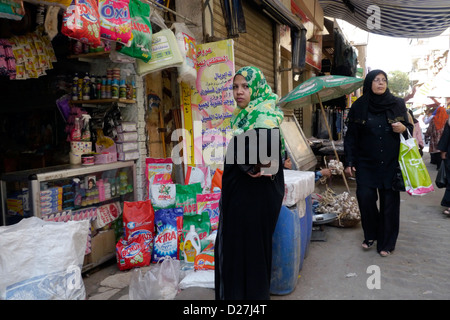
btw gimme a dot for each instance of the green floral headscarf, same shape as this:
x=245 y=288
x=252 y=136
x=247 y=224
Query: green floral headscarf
x=261 y=112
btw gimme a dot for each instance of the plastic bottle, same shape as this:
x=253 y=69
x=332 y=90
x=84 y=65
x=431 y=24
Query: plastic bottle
x=134 y=89
x=80 y=88
x=92 y=88
x=191 y=245
x=75 y=87
x=103 y=88
x=75 y=135
x=86 y=87
x=98 y=87
x=115 y=89
x=122 y=89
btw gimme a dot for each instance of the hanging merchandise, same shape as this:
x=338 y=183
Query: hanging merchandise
x=7 y=60
x=165 y=51
x=60 y=3
x=11 y=9
x=81 y=21
x=33 y=55
x=115 y=22
x=51 y=21
x=141 y=45
x=186 y=42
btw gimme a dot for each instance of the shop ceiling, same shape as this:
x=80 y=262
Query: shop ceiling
x=394 y=18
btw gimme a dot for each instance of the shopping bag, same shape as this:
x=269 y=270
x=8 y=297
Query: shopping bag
x=415 y=174
x=441 y=177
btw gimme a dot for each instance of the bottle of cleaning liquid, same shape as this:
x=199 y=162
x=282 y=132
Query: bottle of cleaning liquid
x=191 y=245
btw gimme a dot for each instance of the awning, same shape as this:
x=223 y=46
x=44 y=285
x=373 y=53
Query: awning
x=395 y=18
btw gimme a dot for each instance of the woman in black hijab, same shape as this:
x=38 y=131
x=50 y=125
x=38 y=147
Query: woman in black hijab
x=371 y=147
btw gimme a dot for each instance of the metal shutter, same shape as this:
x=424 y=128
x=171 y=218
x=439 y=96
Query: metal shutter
x=254 y=48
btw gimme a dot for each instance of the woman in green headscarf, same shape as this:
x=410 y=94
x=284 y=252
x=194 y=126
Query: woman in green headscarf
x=252 y=191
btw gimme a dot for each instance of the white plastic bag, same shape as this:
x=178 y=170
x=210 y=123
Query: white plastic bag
x=42 y=260
x=158 y=283
x=144 y=287
x=187 y=44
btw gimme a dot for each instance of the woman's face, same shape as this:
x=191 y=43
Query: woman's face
x=379 y=84
x=241 y=92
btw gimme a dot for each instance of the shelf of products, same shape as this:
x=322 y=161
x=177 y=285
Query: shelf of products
x=103 y=101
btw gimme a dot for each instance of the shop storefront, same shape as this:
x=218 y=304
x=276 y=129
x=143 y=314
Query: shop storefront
x=93 y=131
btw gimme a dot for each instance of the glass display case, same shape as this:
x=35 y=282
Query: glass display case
x=73 y=192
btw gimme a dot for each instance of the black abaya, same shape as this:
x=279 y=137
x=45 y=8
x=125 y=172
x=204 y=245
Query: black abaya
x=249 y=213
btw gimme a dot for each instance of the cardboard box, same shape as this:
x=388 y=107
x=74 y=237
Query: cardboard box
x=103 y=246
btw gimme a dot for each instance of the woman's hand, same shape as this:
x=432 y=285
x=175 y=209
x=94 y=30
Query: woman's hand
x=255 y=175
x=398 y=127
x=349 y=171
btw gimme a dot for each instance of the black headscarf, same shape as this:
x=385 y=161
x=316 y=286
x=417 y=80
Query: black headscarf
x=370 y=102
x=378 y=103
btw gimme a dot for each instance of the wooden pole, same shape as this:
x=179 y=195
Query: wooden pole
x=331 y=139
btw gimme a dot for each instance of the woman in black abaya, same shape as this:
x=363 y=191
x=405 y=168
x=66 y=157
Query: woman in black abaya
x=252 y=193
x=371 y=147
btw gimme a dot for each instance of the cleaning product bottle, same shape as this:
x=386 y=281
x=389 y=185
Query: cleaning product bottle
x=191 y=245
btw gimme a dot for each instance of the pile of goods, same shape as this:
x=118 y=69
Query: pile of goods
x=178 y=221
x=343 y=205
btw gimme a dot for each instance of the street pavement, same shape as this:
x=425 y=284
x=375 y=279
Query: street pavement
x=337 y=268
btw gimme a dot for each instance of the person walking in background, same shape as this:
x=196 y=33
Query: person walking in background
x=251 y=197
x=436 y=119
x=444 y=146
x=418 y=135
x=371 y=147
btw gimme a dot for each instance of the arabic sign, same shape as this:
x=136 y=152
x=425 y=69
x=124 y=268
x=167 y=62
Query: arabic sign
x=212 y=102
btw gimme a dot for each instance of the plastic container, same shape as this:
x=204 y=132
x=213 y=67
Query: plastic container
x=309 y=221
x=286 y=252
x=191 y=245
x=303 y=220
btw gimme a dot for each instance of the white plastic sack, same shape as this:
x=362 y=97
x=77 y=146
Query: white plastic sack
x=42 y=260
x=158 y=283
x=144 y=287
x=187 y=44
x=198 y=278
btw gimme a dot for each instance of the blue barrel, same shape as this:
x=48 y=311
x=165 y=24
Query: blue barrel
x=309 y=220
x=303 y=220
x=286 y=249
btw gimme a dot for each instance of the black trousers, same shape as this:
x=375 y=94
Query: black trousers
x=380 y=221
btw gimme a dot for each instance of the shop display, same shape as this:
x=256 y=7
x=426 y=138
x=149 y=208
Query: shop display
x=187 y=72
x=191 y=246
x=165 y=53
x=33 y=55
x=11 y=9
x=141 y=45
x=81 y=21
x=43 y=274
x=115 y=21
x=168 y=226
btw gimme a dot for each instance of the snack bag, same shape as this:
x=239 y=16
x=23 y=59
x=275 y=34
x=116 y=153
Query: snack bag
x=209 y=203
x=186 y=197
x=115 y=22
x=141 y=45
x=168 y=232
x=134 y=253
x=81 y=21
